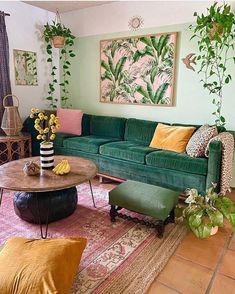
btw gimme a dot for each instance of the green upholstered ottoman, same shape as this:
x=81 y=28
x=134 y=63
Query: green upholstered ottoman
x=146 y=199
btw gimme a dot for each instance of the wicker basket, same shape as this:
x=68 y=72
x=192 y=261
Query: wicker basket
x=58 y=41
x=11 y=121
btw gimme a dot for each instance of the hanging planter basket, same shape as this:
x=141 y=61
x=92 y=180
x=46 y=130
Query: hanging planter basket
x=58 y=41
x=216 y=28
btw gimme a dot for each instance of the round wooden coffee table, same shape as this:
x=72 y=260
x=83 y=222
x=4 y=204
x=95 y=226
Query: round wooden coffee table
x=13 y=178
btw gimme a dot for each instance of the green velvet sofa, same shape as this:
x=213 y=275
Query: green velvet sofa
x=120 y=149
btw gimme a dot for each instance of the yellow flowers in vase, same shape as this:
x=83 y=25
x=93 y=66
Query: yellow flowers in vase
x=46 y=126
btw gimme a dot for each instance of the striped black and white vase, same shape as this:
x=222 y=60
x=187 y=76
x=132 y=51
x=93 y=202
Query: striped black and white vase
x=47 y=155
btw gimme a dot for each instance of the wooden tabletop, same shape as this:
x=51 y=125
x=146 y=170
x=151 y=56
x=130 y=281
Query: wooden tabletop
x=13 y=178
x=21 y=136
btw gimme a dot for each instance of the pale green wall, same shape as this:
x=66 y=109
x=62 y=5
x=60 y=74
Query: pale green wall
x=192 y=103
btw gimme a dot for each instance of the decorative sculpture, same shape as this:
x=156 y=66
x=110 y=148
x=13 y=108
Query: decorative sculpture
x=188 y=60
x=31 y=168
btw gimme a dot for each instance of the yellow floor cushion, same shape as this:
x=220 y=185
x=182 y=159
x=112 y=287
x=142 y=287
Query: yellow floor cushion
x=172 y=138
x=29 y=266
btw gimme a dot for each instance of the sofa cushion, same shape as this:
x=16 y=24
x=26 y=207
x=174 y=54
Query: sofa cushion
x=177 y=161
x=60 y=137
x=126 y=150
x=174 y=138
x=70 y=121
x=89 y=144
x=140 y=131
x=29 y=266
x=107 y=126
x=196 y=146
x=86 y=121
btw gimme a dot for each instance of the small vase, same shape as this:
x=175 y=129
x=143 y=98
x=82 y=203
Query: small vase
x=214 y=230
x=47 y=155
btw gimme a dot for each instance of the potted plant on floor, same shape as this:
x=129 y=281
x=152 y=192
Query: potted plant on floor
x=215 y=34
x=204 y=214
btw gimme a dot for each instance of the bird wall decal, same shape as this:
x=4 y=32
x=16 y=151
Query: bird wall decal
x=188 y=60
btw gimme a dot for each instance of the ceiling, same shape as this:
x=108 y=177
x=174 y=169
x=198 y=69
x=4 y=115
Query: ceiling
x=65 y=6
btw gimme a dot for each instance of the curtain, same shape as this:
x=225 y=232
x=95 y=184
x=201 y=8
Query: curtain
x=5 y=85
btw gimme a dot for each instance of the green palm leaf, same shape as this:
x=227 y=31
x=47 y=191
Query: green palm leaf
x=162 y=43
x=153 y=73
x=137 y=55
x=146 y=41
x=154 y=41
x=149 y=51
x=111 y=66
x=114 y=48
x=119 y=66
x=105 y=65
x=150 y=91
x=159 y=95
x=142 y=91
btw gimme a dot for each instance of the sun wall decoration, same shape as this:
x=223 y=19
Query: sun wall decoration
x=138 y=69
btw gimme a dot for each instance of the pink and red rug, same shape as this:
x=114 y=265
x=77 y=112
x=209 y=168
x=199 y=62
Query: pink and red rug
x=123 y=257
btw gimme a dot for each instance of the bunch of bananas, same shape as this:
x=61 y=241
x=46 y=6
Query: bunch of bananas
x=62 y=168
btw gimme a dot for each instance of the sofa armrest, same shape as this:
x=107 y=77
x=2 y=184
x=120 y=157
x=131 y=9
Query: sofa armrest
x=214 y=164
x=28 y=126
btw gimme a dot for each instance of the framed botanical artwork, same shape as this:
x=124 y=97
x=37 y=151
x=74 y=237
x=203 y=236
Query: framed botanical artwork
x=25 y=63
x=138 y=70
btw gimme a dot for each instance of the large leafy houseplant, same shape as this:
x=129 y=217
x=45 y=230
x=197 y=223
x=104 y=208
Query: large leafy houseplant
x=215 y=34
x=50 y=31
x=203 y=213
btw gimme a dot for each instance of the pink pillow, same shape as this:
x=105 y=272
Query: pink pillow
x=70 y=121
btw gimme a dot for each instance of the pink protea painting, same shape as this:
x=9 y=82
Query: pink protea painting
x=138 y=70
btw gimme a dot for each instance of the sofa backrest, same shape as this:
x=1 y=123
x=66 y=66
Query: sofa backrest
x=186 y=125
x=86 y=121
x=107 y=126
x=140 y=131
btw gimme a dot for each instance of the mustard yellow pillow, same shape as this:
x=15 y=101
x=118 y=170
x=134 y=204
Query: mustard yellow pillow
x=39 y=266
x=172 y=138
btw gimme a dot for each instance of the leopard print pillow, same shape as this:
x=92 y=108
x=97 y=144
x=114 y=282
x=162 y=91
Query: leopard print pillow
x=197 y=144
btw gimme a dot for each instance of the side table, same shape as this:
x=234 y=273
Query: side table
x=15 y=147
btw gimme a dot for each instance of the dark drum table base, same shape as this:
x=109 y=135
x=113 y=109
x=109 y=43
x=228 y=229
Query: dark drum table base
x=45 y=207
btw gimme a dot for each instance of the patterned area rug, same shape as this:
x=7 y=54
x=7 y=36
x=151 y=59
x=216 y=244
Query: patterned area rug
x=123 y=257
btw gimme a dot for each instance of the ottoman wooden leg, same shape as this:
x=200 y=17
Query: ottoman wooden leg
x=113 y=213
x=160 y=227
x=170 y=218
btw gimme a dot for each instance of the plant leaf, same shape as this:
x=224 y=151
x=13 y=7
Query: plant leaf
x=119 y=66
x=160 y=92
x=153 y=73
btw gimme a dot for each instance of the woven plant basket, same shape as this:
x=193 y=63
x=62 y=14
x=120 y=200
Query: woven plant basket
x=11 y=121
x=58 y=41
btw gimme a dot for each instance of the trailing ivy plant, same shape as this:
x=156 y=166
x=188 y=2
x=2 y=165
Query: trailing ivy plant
x=66 y=54
x=50 y=31
x=215 y=34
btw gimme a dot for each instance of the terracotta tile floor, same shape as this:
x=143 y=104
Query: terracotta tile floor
x=200 y=266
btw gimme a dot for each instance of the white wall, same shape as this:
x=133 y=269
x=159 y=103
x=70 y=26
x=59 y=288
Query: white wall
x=24 y=28
x=114 y=17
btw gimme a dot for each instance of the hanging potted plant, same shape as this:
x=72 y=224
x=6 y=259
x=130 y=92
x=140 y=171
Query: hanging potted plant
x=215 y=34
x=204 y=214
x=57 y=33
x=61 y=37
